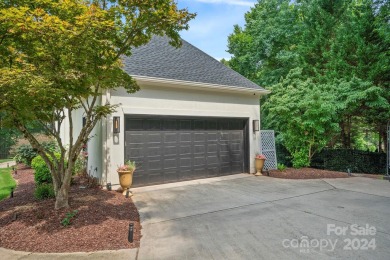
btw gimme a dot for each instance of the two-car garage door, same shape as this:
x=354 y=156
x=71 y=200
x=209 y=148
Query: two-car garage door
x=170 y=149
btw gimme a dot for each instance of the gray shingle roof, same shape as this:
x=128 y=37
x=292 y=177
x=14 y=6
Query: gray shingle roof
x=158 y=59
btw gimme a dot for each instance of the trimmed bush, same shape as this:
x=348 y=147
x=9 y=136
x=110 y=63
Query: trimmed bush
x=42 y=173
x=44 y=191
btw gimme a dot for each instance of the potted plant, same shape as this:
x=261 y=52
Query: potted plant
x=259 y=163
x=125 y=173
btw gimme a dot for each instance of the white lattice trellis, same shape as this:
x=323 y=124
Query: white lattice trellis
x=267 y=146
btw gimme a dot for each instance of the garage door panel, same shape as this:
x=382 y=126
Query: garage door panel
x=212 y=160
x=199 y=137
x=185 y=149
x=170 y=138
x=185 y=124
x=170 y=175
x=155 y=177
x=199 y=161
x=152 y=138
x=224 y=158
x=186 y=174
x=199 y=149
x=185 y=163
x=226 y=168
x=168 y=149
x=224 y=136
x=185 y=137
x=212 y=137
x=212 y=148
x=170 y=163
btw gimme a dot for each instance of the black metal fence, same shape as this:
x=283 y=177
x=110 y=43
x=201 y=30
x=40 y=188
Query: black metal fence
x=356 y=161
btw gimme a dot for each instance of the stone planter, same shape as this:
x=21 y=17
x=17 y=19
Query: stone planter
x=125 y=180
x=259 y=163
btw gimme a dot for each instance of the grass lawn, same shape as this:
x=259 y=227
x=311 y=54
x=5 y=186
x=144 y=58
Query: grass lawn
x=5 y=160
x=6 y=182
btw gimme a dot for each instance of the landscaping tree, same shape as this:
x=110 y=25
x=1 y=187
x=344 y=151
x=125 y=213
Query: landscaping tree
x=57 y=56
x=302 y=113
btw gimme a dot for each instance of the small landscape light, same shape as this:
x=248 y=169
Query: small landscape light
x=131 y=232
x=12 y=192
x=108 y=186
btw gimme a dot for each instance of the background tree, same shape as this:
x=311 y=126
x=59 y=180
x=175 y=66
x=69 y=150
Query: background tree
x=60 y=56
x=303 y=114
x=338 y=46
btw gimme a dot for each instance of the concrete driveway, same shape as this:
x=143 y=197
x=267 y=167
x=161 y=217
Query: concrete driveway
x=247 y=217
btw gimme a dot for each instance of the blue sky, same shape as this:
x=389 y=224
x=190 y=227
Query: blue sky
x=214 y=22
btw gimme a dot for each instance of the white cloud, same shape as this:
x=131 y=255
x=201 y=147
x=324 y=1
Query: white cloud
x=229 y=2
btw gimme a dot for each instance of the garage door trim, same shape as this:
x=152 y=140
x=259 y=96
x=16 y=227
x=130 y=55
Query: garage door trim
x=246 y=133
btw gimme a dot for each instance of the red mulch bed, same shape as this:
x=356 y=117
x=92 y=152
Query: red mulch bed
x=306 y=173
x=102 y=222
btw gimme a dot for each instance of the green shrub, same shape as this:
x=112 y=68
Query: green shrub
x=68 y=218
x=281 y=167
x=44 y=191
x=25 y=153
x=300 y=159
x=42 y=173
x=80 y=165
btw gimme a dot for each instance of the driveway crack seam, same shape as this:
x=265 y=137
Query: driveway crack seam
x=354 y=190
x=364 y=193
x=329 y=184
x=237 y=207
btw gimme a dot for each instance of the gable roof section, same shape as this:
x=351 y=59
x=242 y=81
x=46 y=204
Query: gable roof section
x=158 y=59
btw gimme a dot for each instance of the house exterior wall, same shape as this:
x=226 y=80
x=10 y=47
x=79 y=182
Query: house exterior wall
x=174 y=101
x=95 y=144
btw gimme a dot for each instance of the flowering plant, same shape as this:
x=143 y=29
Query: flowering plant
x=261 y=156
x=128 y=166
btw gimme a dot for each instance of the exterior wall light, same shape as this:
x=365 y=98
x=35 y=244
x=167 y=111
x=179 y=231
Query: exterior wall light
x=256 y=126
x=116 y=125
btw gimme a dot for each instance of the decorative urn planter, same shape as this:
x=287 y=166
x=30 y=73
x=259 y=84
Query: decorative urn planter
x=125 y=179
x=125 y=173
x=259 y=164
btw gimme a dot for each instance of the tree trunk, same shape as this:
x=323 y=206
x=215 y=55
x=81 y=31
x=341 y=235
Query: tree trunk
x=383 y=135
x=62 y=198
x=345 y=126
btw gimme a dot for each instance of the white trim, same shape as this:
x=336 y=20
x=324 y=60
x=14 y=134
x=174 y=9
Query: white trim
x=180 y=83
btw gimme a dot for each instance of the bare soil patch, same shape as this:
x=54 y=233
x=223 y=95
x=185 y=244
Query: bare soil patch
x=306 y=173
x=102 y=222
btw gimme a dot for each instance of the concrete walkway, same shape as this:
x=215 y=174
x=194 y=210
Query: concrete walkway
x=7 y=164
x=246 y=217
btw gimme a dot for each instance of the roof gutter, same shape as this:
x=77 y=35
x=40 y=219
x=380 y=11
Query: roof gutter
x=180 y=83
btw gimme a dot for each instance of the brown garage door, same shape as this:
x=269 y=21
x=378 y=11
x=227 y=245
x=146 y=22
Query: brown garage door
x=177 y=149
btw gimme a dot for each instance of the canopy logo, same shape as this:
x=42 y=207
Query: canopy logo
x=354 y=237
